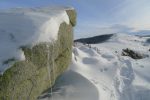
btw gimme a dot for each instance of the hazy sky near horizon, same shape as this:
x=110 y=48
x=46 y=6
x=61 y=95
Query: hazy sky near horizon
x=99 y=16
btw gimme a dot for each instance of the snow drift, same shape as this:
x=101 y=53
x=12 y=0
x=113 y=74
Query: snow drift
x=115 y=77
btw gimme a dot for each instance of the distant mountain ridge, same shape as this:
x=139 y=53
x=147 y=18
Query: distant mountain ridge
x=95 y=39
x=143 y=35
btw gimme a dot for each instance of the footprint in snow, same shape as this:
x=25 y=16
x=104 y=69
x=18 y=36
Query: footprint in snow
x=124 y=78
x=103 y=70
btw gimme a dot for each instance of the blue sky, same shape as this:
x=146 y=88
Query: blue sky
x=99 y=16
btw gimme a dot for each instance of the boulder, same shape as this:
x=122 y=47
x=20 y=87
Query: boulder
x=148 y=40
x=133 y=54
x=26 y=80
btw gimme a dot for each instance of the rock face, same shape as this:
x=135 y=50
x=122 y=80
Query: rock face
x=148 y=40
x=133 y=54
x=26 y=80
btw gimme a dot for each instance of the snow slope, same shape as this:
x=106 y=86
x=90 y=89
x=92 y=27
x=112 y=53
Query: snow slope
x=115 y=77
x=72 y=86
x=27 y=27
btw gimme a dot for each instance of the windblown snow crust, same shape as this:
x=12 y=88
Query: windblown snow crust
x=27 y=27
x=115 y=77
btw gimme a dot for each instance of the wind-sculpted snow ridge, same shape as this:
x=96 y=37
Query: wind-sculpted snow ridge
x=116 y=77
x=72 y=86
x=27 y=27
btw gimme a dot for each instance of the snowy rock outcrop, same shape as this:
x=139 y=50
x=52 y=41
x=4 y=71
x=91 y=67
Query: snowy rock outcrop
x=36 y=47
x=148 y=40
x=133 y=54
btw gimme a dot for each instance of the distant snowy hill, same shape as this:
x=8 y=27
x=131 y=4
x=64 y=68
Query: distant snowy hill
x=102 y=68
x=95 y=39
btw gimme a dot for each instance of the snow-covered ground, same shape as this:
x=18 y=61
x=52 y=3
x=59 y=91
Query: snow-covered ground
x=27 y=27
x=100 y=72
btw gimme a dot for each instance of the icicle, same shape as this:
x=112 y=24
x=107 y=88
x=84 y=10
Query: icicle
x=53 y=66
x=53 y=69
x=49 y=69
